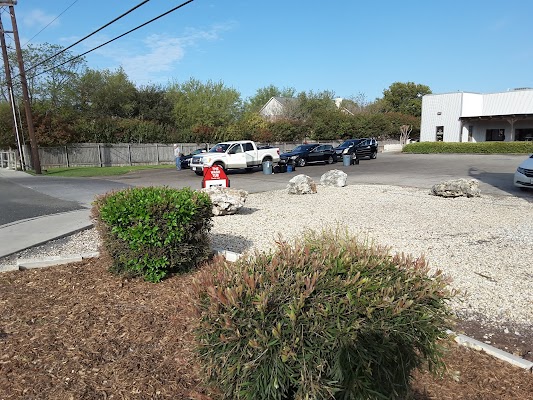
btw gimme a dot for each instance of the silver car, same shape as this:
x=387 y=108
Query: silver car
x=523 y=177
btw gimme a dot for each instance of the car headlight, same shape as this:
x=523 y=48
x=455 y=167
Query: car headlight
x=345 y=151
x=521 y=170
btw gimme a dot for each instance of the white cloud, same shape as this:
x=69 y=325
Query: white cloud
x=37 y=19
x=157 y=54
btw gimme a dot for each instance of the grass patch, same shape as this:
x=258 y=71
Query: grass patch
x=470 y=148
x=80 y=172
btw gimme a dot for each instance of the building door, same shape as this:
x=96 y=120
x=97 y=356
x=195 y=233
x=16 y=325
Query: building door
x=440 y=134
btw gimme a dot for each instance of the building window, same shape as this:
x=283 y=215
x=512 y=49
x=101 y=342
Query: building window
x=524 y=135
x=470 y=133
x=495 y=135
x=440 y=134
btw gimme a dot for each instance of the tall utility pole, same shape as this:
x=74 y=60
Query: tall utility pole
x=25 y=95
x=11 y=99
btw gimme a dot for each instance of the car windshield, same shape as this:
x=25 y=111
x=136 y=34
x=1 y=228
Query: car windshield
x=348 y=143
x=219 y=148
x=303 y=147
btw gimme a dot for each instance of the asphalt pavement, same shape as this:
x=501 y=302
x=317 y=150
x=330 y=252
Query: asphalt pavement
x=37 y=209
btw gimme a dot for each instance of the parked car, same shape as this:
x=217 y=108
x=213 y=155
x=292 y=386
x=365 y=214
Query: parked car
x=308 y=153
x=186 y=159
x=358 y=148
x=523 y=177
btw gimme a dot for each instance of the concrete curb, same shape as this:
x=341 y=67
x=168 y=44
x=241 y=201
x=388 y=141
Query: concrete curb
x=491 y=350
x=25 y=264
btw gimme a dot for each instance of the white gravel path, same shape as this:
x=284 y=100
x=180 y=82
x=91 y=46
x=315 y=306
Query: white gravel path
x=485 y=244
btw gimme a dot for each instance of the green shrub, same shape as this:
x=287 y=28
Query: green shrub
x=152 y=231
x=471 y=148
x=325 y=317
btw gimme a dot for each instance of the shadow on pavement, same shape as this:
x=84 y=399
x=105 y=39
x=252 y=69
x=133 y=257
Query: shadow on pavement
x=495 y=179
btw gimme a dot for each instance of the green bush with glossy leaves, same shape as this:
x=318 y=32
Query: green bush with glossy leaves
x=153 y=231
x=325 y=317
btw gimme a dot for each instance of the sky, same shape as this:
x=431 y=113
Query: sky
x=348 y=47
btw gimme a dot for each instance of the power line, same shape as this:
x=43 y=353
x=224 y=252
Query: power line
x=50 y=23
x=112 y=40
x=86 y=37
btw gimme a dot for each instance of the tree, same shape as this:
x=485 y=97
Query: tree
x=263 y=95
x=405 y=98
x=204 y=107
x=356 y=104
x=153 y=104
x=49 y=75
x=106 y=94
x=405 y=131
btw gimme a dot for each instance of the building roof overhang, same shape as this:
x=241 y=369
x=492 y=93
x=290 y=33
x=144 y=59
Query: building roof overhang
x=491 y=117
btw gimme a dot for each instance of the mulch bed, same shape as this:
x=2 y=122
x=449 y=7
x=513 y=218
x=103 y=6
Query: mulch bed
x=78 y=332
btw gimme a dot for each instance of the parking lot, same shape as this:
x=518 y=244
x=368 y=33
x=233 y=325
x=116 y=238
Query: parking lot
x=495 y=173
x=22 y=196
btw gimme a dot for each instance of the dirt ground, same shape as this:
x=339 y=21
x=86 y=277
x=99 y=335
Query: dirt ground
x=78 y=332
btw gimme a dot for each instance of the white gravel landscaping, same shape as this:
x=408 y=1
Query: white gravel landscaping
x=484 y=243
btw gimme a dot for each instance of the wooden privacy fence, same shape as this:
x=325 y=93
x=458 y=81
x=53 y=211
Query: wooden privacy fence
x=122 y=154
x=119 y=154
x=109 y=155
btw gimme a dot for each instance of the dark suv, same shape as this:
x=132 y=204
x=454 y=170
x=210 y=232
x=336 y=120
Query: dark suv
x=358 y=148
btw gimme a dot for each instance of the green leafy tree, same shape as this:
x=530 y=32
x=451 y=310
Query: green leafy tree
x=315 y=103
x=49 y=76
x=405 y=98
x=7 y=137
x=106 y=94
x=153 y=104
x=204 y=107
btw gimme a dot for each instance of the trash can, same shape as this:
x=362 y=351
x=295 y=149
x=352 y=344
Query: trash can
x=267 y=167
x=347 y=160
x=291 y=166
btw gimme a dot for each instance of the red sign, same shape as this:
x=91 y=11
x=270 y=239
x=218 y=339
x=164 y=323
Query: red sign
x=215 y=176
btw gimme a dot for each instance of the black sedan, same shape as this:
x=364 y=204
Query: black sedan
x=186 y=159
x=358 y=148
x=308 y=153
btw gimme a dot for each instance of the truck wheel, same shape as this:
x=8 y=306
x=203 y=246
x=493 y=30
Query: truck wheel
x=329 y=160
x=374 y=155
x=220 y=165
x=301 y=162
x=199 y=173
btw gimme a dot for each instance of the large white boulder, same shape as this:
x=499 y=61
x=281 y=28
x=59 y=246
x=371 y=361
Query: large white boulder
x=335 y=177
x=457 y=188
x=301 y=184
x=226 y=201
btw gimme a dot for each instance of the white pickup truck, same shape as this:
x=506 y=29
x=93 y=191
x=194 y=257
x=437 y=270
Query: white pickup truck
x=235 y=154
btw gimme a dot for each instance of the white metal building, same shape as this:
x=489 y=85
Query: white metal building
x=474 y=117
